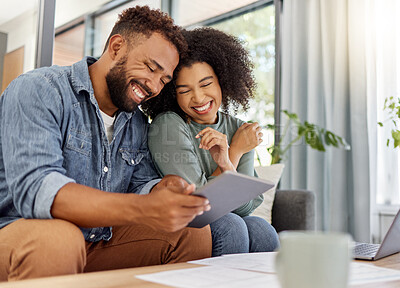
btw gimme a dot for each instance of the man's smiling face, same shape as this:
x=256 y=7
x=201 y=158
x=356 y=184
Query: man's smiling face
x=142 y=72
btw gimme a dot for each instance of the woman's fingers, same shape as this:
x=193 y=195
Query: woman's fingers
x=209 y=135
x=217 y=142
x=209 y=142
x=204 y=131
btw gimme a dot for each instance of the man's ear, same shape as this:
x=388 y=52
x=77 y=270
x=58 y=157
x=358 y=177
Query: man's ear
x=115 y=46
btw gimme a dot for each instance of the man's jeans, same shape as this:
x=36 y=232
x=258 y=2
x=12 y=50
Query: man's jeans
x=234 y=234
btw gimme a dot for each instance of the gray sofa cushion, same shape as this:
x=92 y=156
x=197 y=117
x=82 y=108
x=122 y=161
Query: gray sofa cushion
x=293 y=210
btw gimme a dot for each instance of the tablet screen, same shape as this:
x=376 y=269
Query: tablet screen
x=227 y=192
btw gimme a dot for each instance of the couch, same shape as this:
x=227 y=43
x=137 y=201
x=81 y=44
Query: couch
x=293 y=210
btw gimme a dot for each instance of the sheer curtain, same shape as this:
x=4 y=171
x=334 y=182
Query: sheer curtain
x=331 y=63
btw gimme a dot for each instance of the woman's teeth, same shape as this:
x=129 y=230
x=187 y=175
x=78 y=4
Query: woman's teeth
x=203 y=108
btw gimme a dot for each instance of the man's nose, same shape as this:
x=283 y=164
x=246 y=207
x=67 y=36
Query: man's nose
x=154 y=86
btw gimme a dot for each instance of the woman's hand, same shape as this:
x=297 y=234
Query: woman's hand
x=247 y=137
x=217 y=144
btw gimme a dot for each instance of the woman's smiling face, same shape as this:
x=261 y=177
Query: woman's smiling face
x=198 y=93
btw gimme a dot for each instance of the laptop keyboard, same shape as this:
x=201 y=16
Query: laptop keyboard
x=366 y=249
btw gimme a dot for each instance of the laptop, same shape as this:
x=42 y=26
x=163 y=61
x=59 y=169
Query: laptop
x=390 y=244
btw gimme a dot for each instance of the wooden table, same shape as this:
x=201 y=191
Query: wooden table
x=126 y=277
x=392 y=262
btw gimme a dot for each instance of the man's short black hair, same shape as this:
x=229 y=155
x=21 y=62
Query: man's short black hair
x=141 y=20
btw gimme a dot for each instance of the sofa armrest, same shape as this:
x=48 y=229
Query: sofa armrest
x=293 y=210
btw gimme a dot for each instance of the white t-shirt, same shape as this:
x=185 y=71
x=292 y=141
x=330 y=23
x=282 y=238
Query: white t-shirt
x=108 y=125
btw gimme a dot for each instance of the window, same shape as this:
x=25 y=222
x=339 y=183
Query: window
x=69 y=46
x=84 y=27
x=104 y=22
x=257 y=30
x=187 y=13
x=387 y=62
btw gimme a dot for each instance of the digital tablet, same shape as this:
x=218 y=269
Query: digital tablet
x=226 y=192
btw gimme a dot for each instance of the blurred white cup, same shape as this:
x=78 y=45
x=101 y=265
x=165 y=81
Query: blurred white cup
x=313 y=259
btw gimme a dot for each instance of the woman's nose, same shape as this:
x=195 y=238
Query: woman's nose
x=198 y=97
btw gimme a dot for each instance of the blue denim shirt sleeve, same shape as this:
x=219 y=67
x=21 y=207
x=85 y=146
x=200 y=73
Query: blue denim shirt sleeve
x=31 y=140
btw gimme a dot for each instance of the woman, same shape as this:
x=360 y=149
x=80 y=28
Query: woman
x=191 y=138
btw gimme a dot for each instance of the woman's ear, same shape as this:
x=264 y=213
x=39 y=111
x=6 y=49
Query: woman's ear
x=115 y=45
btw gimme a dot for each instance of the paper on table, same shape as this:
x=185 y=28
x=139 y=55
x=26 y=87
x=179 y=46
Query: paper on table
x=212 y=277
x=361 y=273
x=260 y=262
x=242 y=270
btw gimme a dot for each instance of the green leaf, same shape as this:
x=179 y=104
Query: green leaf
x=396 y=137
x=380 y=124
x=313 y=138
x=301 y=130
x=331 y=139
x=292 y=116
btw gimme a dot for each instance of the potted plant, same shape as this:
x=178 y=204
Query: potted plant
x=311 y=134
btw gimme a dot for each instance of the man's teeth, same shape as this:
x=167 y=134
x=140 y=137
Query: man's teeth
x=138 y=92
x=203 y=108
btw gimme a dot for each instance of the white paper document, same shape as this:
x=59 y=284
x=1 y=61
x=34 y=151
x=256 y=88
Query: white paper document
x=361 y=273
x=253 y=270
x=259 y=262
x=212 y=277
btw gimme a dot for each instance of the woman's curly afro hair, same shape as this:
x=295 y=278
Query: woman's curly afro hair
x=145 y=21
x=230 y=61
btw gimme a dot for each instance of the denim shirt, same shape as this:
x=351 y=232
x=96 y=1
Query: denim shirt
x=52 y=133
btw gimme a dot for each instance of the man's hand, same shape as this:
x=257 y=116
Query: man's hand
x=170 y=207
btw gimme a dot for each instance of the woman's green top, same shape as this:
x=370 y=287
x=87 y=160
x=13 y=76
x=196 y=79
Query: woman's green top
x=175 y=150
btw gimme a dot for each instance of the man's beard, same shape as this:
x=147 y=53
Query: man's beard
x=119 y=87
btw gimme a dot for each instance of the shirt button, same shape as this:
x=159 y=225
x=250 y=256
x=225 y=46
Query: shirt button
x=133 y=162
x=105 y=169
x=92 y=236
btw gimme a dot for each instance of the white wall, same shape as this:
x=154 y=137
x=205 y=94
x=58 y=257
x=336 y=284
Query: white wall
x=22 y=31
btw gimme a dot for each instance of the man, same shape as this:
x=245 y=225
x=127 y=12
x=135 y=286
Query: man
x=74 y=154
